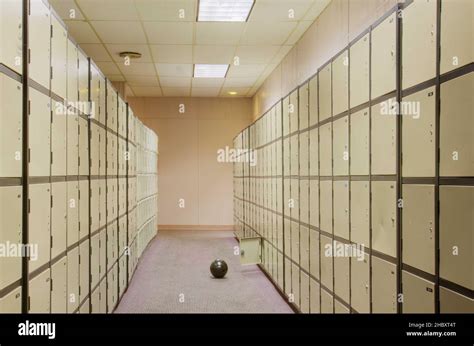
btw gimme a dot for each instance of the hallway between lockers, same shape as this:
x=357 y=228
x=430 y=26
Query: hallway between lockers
x=173 y=277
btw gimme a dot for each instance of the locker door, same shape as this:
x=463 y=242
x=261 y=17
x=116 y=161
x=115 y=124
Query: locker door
x=359 y=71
x=96 y=301
x=95 y=149
x=419 y=43
x=294 y=111
x=418 y=225
x=122 y=234
x=287 y=281
x=339 y=308
x=303 y=107
x=303 y=154
x=122 y=275
x=40 y=138
x=314 y=290
x=83 y=209
x=456 y=50
x=383 y=138
x=453 y=302
x=59 y=218
x=11 y=303
x=360 y=142
x=326 y=262
x=103 y=150
x=325 y=155
x=326 y=205
x=341 y=208
x=250 y=251
x=384 y=219
x=84 y=275
x=314 y=152
x=111 y=244
x=294 y=155
x=10 y=125
x=418 y=135
x=58 y=140
x=40 y=223
x=95 y=260
x=295 y=241
x=360 y=206
x=313 y=101
x=341 y=146
x=111 y=199
x=287 y=197
x=340 y=83
x=40 y=289
x=83 y=77
x=72 y=144
x=58 y=286
x=457 y=127
x=304 y=201
x=112 y=290
x=286 y=115
x=325 y=95
x=360 y=284
x=72 y=72
x=295 y=285
x=95 y=205
x=418 y=294
x=327 y=302
x=58 y=58
x=341 y=275
x=111 y=107
x=83 y=147
x=103 y=296
x=314 y=253
x=295 y=196
x=11 y=34
x=314 y=203
x=456 y=240
x=103 y=253
x=384 y=286
x=102 y=202
x=39 y=42
x=84 y=309
x=384 y=57
x=10 y=232
x=73 y=280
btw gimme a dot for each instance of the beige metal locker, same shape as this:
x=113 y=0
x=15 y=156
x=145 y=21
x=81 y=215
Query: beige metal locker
x=340 y=308
x=84 y=275
x=456 y=49
x=314 y=253
x=39 y=26
x=419 y=43
x=304 y=154
x=384 y=57
x=326 y=262
x=453 y=302
x=359 y=71
x=384 y=286
x=326 y=205
x=360 y=283
x=418 y=294
x=58 y=218
x=111 y=244
x=40 y=293
x=103 y=150
x=360 y=211
x=286 y=115
x=295 y=241
x=103 y=253
x=295 y=196
x=111 y=154
x=83 y=78
x=295 y=284
x=111 y=107
x=83 y=209
x=418 y=226
x=122 y=275
x=102 y=202
x=341 y=208
x=325 y=154
x=325 y=94
x=359 y=139
x=73 y=280
x=341 y=274
x=286 y=196
x=294 y=155
x=313 y=101
x=456 y=225
x=85 y=309
x=10 y=232
x=58 y=140
x=58 y=58
x=95 y=149
x=72 y=144
x=111 y=199
x=40 y=138
x=293 y=110
x=11 y=303
x=10 y=125
x=315 y=294
x=112 y=282
x=384 y=218
x=40 y=223
x=59 y=286
x=340 y=83
x=314 y=203
x=304 y=201
x=314 y=152
x=457 y=127
x=418 y=134
x=304 y=291
x=341 y=146
x=94 y=201
x=280 y=270
x=95 y=300
x=303 y=109
x=83 y=147
x=384 y=138
x=72 y=72
x=287 y=279
x=327 y=302
x=103 y=296
x=11 y=34
x=95 y=260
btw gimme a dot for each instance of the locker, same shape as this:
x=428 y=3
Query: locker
x=326 y=205
x=122 y=196
x=314 y=291
x=418 y=226
x=384 y=138
x=341 y=208
x=453 y=302
x=314 y=152
x=96 y=300
x=419 y=43
x=112 y=289
x=10 y=125
x=303 y=155
x=40 y=138
x=72 y=72
x=456 y=226
x=73 y=280
x=85 y=309
x=83 y=147
x=384 y=286
x=59 y=286
x=293 y=112
x=341 y=146
x=39 y=42
x=111 y=244
x=39 y=290
x=359 y=140
x=359 y=71
x=340 y=83
x=11 y=303
x=72 y=157
x=250 y=251
x=95 y=149
x=325 y=155
x=295 y=285
x=102 y=202
x=288 y=277
x=295 y=241
x=103 y=253
x=95 y=260
x=84 y=275
x=122 y=275
x=286 y=115
x=58 y=58
x=95 y=206
x=314 y=253
x=294 y=212
x=122 y=235
x=384 y=57
x=304 y=298
x=384 y=218
x=304 y=201
x=327 y=302
x=83 y=209
x=103 y=150
x=287 y=196
x=102 y=99
x=11 y=34
x=58 y=140
x=294 y=155
x=111 y=107
x=303 y=109
x=457 y=127
x=111 y=154
x=83 y=79
x=360 y=209
x=418 y=135
x=314 y=203
x=360 y=284
x=456 y=49
x=340 y=308
x=326 y=262
x=341 y=275
x=111 y=199
x=103 y=296
x=40 y=223
x=58 y=218
x=313 y=101
x=325 y=94
x=10 y=232
x=418 y=294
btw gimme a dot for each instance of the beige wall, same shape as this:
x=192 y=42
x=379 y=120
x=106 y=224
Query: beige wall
x=187 y=162
x=339 y=23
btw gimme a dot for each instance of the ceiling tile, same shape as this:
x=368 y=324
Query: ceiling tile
x=245 y=71
x=208 y=82
x=67 y=9
x=174 y=70
x=108 y=9
x=284 y=50
x=137 y=68
x=147 y=91
x=119 y=32
x=273 y=33
x=279 y=10
x=176 y=91
x=142 y=81
x=81 y=32
x=240 y=82
x=169 y=32
x=205 y=92
x=213 y=54
x=256 y=54
x=115 y=50
x=167 y=10
x=218 y=33
x=298 y=32
x=179 y=82
x=177 y=54
x=108 y=67
x=315 y=11
x=96 y=51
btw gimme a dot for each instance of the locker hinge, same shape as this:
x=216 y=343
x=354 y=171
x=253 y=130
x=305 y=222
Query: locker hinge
x=90 y=221
x=51 y=31
x=51 y=197
x=29 y=107
x=79 y=224
x=79 y=161
x=51 y=71
x=29 y=303
x=29 y=205
x=51 y=157
x=51 y=286
x=79 y=263
x=29 y=155
x=51 y=241
x=79 y=290
x=29 y=56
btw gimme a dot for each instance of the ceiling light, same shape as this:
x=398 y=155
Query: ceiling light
x=210 y=71
x=131 y=55
x=224 y=10
x=232 y=92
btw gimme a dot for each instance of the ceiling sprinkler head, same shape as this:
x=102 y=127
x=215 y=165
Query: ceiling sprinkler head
x=131 y=55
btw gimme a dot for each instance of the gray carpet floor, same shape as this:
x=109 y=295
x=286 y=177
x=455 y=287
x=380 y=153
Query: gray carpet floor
x=173 y=277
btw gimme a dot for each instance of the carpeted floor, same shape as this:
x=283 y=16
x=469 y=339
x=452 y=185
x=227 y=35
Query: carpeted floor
x=173 y=277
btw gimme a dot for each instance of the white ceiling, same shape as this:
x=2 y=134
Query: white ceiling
x=170 y=44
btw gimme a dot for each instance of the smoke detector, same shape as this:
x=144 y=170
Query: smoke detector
x=131 y=55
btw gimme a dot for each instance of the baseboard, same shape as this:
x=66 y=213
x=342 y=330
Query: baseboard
x=195 y=228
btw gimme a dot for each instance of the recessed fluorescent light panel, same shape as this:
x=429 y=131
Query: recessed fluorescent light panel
x=210 y=71
x=224 y=10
